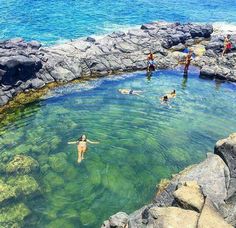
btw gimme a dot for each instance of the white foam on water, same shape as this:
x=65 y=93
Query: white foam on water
x=224 y=27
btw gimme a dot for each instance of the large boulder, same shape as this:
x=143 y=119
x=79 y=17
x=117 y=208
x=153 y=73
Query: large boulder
x=22 y=164
x=211 y=174
x=118 y=220
x=189 y=195
x=211 y=218
x=174 y=217
x=226 y=149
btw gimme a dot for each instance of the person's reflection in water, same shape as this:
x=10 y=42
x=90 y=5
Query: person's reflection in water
x=185 y=80
x=218 y=84
x=149 y=76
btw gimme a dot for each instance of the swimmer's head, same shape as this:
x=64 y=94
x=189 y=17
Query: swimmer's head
x=228 y=36
x=165 y=98
x=82 y=138
x=174 y=91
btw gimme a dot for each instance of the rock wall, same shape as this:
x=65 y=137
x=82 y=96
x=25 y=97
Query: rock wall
x=202 y=195
x=25 y=66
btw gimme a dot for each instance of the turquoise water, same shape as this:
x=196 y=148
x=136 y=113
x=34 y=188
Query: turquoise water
x=141 y=141
x=59 y=20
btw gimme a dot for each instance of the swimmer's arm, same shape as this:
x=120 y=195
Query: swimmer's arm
x=92 y=142
x=72 y=142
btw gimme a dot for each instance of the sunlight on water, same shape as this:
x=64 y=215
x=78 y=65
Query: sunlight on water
x=141 y=141
x=57 y=21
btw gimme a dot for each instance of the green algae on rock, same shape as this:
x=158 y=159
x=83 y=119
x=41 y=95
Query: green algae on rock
x=6 y=192
x=24 y=185
x=58 y=162
x=11 y=216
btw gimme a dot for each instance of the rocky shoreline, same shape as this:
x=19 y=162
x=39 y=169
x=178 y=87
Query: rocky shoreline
x=28 y=66
x=202 y=195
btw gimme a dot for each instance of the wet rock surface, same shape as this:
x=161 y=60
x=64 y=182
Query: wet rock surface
x=199 y=196
x=26 y=66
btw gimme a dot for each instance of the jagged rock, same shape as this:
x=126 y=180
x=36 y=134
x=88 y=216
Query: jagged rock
x=210 y=217
x=22 y=164
x=189 y=196
x=173 y=217
x=119 y=220
x=35 y=66
x=226 y=149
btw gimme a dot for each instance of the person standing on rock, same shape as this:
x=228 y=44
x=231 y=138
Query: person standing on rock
x=188 y=60
x=227 y=45
x=151 y=62
x=82 y=146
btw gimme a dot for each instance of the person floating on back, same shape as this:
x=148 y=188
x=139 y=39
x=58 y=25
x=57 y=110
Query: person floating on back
x=227 y=45
x=151 y=62
x=82 y=146
x=130 y=91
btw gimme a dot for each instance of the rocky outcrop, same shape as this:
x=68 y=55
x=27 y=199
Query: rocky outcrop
x=213 y=65
x=199 y=196
x=25 y=66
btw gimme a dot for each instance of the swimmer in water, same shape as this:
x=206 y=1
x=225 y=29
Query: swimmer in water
x=130 y=91
x=82 y=146
x=167 y=97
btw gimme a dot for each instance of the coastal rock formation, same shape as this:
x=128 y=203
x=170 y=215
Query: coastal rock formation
x=199 y=196
x=26 y=66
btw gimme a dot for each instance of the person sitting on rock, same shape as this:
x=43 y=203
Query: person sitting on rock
x=82 y=146
x=151 y=62
x=227 y=45
x=130 y=91
x=188 y=60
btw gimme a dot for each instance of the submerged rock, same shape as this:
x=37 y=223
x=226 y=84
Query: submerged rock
x=22 y=164
x=58 y=162
x=13 y=216
x=6 y=192
x=24 y=185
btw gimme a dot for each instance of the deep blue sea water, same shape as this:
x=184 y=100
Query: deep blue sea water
x=51 y=21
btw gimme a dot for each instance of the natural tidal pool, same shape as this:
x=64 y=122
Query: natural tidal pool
x=141 y=141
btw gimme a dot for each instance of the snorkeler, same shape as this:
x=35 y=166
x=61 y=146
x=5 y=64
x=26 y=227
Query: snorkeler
x=227 y=45
x=82 y=146
x=172 y=94
x=164 y=99
x=130 y=91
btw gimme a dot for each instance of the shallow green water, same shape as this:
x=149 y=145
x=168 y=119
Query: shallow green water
x=142 y=141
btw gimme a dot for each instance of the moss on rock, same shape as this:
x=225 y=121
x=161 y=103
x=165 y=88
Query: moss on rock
x=24 y=185
x=58 y=162
x=6 y=192
x=22 y=164
x=12 y=216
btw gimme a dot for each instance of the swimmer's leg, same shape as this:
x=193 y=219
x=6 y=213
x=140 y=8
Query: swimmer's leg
x=79 y=155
